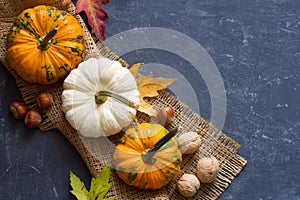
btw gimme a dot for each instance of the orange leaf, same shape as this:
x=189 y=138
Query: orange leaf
x=149 y=86
x=95 y=15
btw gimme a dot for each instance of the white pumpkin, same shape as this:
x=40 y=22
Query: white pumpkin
x=100 y=97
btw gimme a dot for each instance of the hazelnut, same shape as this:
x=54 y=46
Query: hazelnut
x=166 y=115
x=208 y=169
x=18 y=109
x=32 y=119
x=188 y=185
x=44 y=99
x=189 y=142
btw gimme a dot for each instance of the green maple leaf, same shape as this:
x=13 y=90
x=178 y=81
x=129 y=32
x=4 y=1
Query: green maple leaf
x=79 y=190
x=99 y=186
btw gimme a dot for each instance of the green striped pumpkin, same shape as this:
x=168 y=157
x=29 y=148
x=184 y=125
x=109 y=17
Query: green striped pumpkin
x=135 y=168
x=45 y=44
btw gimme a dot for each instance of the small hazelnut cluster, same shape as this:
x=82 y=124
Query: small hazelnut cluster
x=207 y=171
x=32 y=118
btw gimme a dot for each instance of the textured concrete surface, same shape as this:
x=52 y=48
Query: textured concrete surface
x=256 y=47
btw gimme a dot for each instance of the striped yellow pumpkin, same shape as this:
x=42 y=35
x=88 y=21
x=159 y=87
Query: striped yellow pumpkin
x=134 y=165
x=45 y=44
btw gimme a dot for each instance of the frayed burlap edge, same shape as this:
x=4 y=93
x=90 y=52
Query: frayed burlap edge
x=97 y=152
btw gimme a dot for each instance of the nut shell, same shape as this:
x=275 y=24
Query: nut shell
x=18 y=109
x=189 y=142
x=188 y=185
x=208 y=169
x=166 y=115
x=32 y=119
x=44 y=99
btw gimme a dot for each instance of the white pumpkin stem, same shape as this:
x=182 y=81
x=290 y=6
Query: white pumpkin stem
x=149 y=154
x=101 y=97
x=44 y=42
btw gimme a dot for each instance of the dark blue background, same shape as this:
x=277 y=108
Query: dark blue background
x=256 y=47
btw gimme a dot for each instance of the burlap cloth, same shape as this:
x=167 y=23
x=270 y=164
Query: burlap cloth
x=97 y=152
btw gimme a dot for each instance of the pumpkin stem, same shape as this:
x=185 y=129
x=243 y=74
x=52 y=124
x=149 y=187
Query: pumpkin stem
x=101 y=97
x=149 y=154
x=45 y=41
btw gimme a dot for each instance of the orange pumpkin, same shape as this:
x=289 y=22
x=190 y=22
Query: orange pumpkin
x=146 y=157
x=45 y=44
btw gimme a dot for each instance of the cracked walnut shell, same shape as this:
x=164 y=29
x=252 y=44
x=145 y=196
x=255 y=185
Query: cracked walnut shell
x=189 y=142
x=188 y=185
x=208 y=169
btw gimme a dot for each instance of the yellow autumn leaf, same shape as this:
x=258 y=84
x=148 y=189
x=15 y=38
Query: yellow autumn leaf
x=134 y=69
x=149 y=86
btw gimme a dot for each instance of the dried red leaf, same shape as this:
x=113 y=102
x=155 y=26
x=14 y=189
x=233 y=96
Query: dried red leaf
x=95 y=14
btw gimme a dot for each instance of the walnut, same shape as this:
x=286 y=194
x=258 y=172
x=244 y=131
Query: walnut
x=188 y=184
x=208 y=169
x=189 y=142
